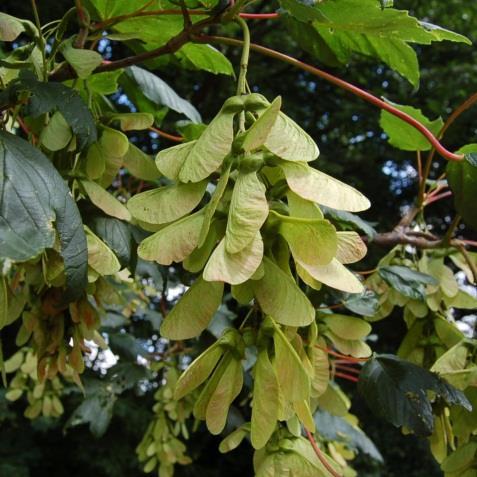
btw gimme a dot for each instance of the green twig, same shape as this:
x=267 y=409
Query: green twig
x=242 y=79
x=41 y=40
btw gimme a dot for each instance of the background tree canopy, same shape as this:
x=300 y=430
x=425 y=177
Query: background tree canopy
x=162 y=205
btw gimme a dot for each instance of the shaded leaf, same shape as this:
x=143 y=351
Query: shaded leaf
x=105 y=201
x=280 y=297
x=396 y=390
x=140 y=165
x=192 y=314
x=49 y=97
x=406 y=281
x=83 y=61
x=160 y=93
x=100 y=256
x=166 y=204
x=462 y=178
x=265 y=402
x=228 y=387
x=335 y=428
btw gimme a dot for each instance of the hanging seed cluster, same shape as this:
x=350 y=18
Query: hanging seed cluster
x=263 y=233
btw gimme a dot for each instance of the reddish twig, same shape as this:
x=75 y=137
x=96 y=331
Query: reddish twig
x=259 y=16
x=320 y=454
x=361 y=93
x=436 y=198
x=347 y=368
x=346 y=376
x=472 y=243
x=350 y=359
x=171 y=137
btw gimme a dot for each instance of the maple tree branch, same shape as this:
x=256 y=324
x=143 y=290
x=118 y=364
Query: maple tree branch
x=83 y=20
x=259 y=16
x=361 y=93
x=174 y=44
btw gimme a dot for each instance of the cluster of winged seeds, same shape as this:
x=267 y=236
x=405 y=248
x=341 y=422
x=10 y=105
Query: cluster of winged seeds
x=263 y=210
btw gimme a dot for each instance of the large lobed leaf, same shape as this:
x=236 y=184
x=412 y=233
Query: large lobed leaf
x=397 y=391
x=50 y=97
x=338 y=29
x=33 y=196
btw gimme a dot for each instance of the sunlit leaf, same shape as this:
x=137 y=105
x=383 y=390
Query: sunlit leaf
x=234 y=268
x=166 y=204
x=318 y=187
x=265 y=401
x=172 y=243
x=248 y=211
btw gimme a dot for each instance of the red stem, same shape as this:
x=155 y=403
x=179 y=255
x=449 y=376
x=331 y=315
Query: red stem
x=259 y=16
x=361 y=93
x=436 y=198
x=171 y=137
x=343 y=367
x=436 y=191
x=346 y=376
x=320 y=454
x=472 y=243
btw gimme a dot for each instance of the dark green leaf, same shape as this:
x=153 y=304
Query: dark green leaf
x=365 y=304
x=34 y=196
x=96 y=410
x=397 y=391
x=406 y=281
x=48 y=97
x=160 y=93
x=117 y=236
x=462 y=178
x=336 y=428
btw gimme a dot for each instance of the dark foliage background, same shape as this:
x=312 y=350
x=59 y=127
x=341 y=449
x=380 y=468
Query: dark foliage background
x=353 y=149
